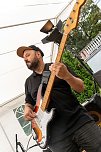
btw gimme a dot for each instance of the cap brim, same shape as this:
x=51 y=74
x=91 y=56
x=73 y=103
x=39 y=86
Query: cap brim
x=21 y=50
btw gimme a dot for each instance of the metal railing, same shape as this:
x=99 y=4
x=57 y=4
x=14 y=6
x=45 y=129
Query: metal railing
x=92 y=48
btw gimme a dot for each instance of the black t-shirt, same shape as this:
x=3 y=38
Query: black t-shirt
x=69 y=115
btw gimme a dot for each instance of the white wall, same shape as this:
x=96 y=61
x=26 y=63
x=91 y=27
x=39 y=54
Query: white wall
x=4 y=143
x=9 y=127
x=95 y=62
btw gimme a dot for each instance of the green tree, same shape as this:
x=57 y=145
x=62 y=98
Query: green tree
x=79 y=69
x=88 y=27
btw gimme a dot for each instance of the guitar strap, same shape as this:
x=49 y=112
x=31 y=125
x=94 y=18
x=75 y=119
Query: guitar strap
x=46 y=73
x=45 y=78
x=42 y=86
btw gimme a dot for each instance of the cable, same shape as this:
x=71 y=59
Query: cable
x=7 y=52
x=15 y=50
x=44 y=4
x=28 y=142
x=21 y=146
x=26 y=23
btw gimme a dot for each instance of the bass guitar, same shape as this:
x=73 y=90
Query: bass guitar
x=42 y=116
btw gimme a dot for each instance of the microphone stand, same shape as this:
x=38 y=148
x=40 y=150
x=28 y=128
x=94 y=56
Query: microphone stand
x=19 y=144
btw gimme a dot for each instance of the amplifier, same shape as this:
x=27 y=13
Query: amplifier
x=93 y=106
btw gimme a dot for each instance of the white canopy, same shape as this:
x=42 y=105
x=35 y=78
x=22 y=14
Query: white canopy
x=20 y=24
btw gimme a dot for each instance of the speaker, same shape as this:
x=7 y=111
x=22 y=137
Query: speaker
x=93 y=106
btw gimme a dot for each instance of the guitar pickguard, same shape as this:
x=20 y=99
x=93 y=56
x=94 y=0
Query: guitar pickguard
x=42 y=119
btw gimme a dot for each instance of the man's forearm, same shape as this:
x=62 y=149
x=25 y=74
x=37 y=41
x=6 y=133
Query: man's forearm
x=76 y=83
x=29 y=105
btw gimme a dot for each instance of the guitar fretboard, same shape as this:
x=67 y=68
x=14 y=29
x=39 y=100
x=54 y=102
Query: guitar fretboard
x=45 y=101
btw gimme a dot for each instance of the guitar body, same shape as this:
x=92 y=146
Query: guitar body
x=40 y=129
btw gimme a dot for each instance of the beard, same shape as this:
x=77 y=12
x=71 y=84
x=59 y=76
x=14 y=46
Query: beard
x=33 y=65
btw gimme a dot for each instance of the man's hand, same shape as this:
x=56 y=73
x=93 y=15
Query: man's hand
x=28 y=112
x=60 y=70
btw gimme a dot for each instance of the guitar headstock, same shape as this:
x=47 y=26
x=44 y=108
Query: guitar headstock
x=72 y=21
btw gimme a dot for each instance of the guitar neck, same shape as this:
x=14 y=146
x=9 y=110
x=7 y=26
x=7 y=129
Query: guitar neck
x=46 y=97
x=71 y=23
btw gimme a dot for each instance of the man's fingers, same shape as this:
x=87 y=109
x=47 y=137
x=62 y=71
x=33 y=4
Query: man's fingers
x=30 y=115
x=28 y=118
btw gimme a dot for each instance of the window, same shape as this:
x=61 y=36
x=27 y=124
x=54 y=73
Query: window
x=26 y=125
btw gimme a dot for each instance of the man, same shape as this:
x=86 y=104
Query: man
x=71 y=128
